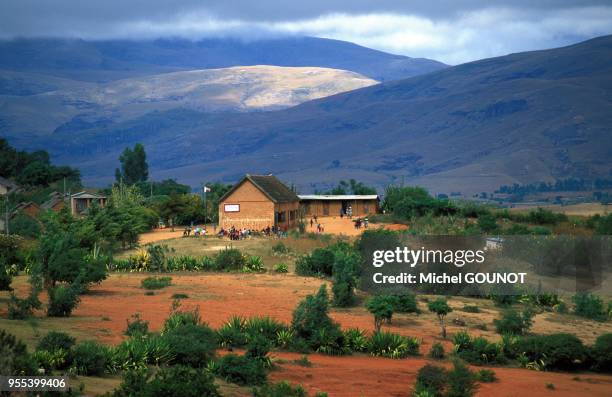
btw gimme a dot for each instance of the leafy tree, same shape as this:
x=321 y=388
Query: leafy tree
x=352 y=187
x=382 y=307
x=513 y=322
x=311 y=319
x=441 y=308
x=345 y=278
x=134 y=167
x=487 y=223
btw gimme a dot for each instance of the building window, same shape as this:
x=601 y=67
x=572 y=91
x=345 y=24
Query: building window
x=292 y=215
x=281 y=216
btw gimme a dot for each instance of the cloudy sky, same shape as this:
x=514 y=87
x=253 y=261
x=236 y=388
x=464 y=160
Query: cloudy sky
x=452 y=31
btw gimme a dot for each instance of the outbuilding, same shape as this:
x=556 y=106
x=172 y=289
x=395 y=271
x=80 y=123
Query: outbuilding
x=258 y=202
x=334 y=205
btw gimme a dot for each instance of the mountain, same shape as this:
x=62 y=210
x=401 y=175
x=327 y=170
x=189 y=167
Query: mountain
x=73 y=105
x=102 y=61
x=522 y=118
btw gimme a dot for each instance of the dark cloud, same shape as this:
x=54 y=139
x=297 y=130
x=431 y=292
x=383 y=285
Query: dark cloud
x=450 y=30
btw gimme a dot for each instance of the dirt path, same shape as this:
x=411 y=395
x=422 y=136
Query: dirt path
x=345 y=226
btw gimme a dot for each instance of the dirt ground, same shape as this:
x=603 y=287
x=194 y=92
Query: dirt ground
x=582 y=209
x=103 y=312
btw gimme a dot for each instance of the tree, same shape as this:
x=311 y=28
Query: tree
x=441 y=308
x=382 y=307
x=134 y=167
x=352 y=187
x=345 y=277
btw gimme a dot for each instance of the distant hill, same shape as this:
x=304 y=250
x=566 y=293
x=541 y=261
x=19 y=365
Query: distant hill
x=526 y=117
x=73 y=105
x=108 y=60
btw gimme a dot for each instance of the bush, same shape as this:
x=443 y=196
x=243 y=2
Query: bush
x=441 y=308
x=280 y=248
x=320 y=262
x=345 y=268
x=175 y=381
x=311 y=321
x=477 y=350
x=265 y=326
x=405 y=303
x=15 y=358
x=232 y=333
x=258 y=349
x=387 y=344
x=281 y=268
x=471 y=309
x=56 y=340
x=485 y=376
x=151 y=283
x=229 y=259
x=601 y=353
x=137 y=326
x=90 y=358
x=382 y=308
x=178 y=318
x=555 y=351
x=589 y=306
x=436 y=351
x=241 y=370
x=513 y=322
x=192 y=345
x=62 y=300
x=431 y=379
x=280 y=389
x=24 y=225
x=461 y=381
x=138 y=351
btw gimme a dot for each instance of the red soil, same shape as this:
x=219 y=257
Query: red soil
x=218 y=296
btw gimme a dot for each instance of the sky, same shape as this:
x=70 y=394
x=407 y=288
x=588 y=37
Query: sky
x=451 y=31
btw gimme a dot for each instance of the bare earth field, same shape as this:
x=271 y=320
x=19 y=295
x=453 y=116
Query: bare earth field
x=103 y=312
x=582 y=209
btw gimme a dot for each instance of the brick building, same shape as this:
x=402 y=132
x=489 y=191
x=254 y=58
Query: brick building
x=258 y=202
x=333 y=205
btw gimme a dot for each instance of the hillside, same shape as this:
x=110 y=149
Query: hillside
x=521 y=118
x=73 y=105
x=109 y=60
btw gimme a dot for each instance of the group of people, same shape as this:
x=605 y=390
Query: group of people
x=361 y=222
x=315 y=221
x=197 y=231
x=234 y=233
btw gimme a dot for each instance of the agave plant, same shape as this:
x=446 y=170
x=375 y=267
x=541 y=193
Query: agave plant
x=388 y=344
x=178 y=318
x=355 y=340
x=232 y=333
x=284 y=338
x=253 y=264
x=265 y=326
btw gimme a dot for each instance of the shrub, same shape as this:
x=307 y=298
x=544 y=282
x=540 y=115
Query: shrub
x=281 y=268
x=15 y=358
x=513 y=322
x=381 y=307
x=320 y=262
x=405 y=303
x=284 y=338
x=555 y=351
x=311 y=317
x=471 y=309
x=241 y=370
x=175 y=381
x=90 y=358
x=436 y=351
x=137 y=326
x=151 y=283
x=62 y=300
x=280 y=248
x=589 y=306
x=477 y=350
x=387 y=344
x=51 y=360
x=192 y=345
x=461 y=382
x=485 y=376
x=345 y=277
x=179 y=317
x=180 y=296
x=258 y=349
x=232 y=333
x=431 y=379
x=24 y=225
x=264 y=326
x=280 y=389
x=183 y=263
x=601 y=353
x=56 y=340
x=138 y=351
x=229 y=259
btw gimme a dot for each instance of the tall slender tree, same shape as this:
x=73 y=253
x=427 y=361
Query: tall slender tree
x=134 y=167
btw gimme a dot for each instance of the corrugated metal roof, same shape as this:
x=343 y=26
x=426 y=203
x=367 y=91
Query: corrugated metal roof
x=338 y=197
